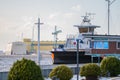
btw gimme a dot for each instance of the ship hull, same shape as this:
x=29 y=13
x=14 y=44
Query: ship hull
x=70 y=57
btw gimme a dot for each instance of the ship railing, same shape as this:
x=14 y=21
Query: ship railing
x=87 y=51
x=71 y=36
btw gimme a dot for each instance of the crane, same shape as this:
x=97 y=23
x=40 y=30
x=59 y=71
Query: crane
x=32 y=41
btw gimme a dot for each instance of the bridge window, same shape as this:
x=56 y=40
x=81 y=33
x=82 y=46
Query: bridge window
x=101 y=45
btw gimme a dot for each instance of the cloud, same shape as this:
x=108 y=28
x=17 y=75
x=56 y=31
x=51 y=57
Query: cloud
x=68 y=15
x=76 y=8
x=53 y=15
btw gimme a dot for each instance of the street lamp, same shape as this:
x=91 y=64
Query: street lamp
x=78 y=69
x=77 y=59
x=109 y=4
x=39 y=40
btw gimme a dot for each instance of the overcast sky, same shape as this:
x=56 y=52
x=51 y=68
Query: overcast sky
x=17 y=18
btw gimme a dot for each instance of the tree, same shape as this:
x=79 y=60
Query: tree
x=25 y=70
x=61 y=72
x=110 y=66
x=91 y=71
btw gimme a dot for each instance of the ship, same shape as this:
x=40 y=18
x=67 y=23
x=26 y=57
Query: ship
x=87 y=46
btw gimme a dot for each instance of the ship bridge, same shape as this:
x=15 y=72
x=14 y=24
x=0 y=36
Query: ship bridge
x=86 y=26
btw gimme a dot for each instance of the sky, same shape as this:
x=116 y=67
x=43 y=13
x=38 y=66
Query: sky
x=18 y=18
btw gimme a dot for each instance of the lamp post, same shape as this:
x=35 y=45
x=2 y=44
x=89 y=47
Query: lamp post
x=38 y=57
x=109 y=4
x=77 y=59
x=78 y=69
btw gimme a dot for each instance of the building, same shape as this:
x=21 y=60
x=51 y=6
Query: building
x=32 y=46
x=16 y=48
x=1 y=52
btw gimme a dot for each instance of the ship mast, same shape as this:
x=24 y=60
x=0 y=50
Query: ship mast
x=109 y=4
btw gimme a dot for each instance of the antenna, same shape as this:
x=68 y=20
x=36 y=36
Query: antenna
x=55 y=33
x=109 y=4
x=90 y=15
x=87 y=18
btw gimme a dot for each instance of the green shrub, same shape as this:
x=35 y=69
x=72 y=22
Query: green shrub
x=111 y=65
x=90 y=69
x=61 y=72
x=25 y=70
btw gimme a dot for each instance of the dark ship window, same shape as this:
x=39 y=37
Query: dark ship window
x=83 y=30
x=61 y=46
x=118 y=45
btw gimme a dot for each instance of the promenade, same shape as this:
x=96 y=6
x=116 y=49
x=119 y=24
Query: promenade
x=46 y=64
